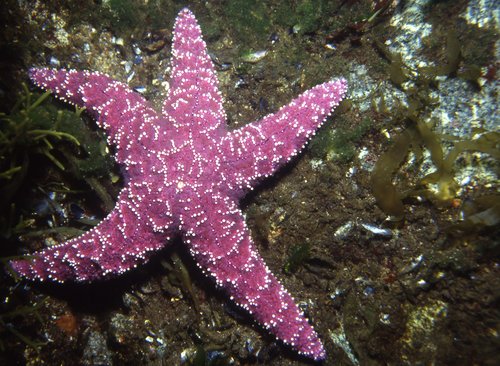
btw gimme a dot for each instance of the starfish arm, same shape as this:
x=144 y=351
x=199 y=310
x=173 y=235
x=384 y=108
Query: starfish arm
x=223 y=248
x=258 y=149
x=193 y=98
x=128 y=119
x=119 y=243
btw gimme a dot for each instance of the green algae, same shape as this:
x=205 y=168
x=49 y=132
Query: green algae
x=20 y=311
x=250 y=20
x=302 y=16
x=11 y=316
x=36 y=128
x=298 y=254
x=128 y=16
x=30 y=128
x=255 y=19
x=338 y=141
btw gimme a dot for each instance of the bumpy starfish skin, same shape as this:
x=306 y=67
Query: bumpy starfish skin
x=184 y=173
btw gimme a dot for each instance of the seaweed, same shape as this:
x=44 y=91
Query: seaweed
x=249 y=18
x=7 y=325
x=388 y=197
x=338 y=142
x=35 y=129
x=439 y=186
x=29 y=129
x=178 y=275
x=298 y=254
x=443 y=177
x=129 y=16
x=479 y=214
x=418 y=136
x=9 y=320
x=303 y=16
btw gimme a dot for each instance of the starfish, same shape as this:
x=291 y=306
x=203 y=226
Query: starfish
x=184 y=173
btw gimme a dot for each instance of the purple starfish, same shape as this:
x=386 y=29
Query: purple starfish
x=184 y=174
